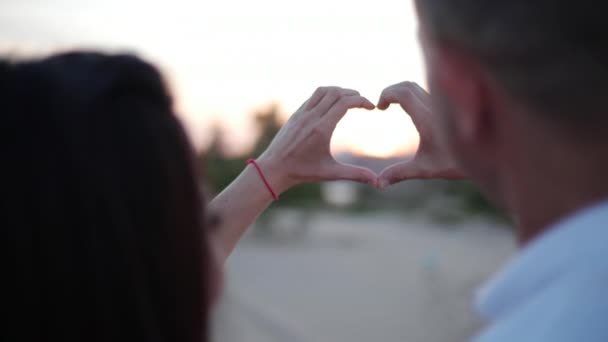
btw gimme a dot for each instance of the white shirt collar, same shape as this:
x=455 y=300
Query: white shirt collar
x=577 y=242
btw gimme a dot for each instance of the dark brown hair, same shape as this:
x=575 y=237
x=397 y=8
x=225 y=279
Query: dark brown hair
x=103 y=221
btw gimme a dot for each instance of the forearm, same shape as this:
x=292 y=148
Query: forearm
x=239 y=205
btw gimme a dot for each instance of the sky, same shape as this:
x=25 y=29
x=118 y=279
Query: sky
x=225 y=59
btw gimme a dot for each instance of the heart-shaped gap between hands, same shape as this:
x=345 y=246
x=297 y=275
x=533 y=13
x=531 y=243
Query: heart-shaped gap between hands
x=427 y=160
x=301 y=149
x=374 y=139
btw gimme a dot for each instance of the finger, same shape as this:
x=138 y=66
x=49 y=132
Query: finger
x=402 y=93
x=316 y=98
x=423 y=96
x=390 y=95
x=399 y=173
x=332 y=95
x=359 y=174
x=387 y=97
x=407 y=97
x=313 y=100
x=339 y=109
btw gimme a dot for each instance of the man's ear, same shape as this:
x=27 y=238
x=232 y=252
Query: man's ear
x=463 y=84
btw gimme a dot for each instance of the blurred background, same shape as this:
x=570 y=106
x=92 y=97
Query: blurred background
x=329 y=262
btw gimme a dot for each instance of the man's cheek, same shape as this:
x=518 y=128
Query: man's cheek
x=445 y=115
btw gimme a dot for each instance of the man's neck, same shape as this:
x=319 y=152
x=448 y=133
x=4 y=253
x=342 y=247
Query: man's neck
x=556 y=185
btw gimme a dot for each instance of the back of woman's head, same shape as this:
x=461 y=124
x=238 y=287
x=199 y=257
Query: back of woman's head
x=102 y=217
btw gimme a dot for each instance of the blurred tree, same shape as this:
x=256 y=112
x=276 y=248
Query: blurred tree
x=219 y=170
x=268 y=124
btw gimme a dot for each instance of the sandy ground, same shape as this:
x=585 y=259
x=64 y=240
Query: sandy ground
x=378 y=278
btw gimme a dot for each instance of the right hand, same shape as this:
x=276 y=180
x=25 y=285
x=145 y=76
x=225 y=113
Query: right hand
x=300 y=152
x=431 y=159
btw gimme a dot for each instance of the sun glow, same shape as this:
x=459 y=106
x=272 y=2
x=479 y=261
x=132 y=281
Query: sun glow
x=376 y=133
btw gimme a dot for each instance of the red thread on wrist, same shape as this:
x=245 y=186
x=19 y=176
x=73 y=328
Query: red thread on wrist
x=255 y=163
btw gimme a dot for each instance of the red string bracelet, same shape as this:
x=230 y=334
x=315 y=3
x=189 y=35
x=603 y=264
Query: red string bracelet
x=255 y=163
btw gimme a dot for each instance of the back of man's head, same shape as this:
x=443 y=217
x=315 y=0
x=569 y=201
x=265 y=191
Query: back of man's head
x=549 y=55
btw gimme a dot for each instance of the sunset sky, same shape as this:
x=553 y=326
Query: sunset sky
x=226 y=58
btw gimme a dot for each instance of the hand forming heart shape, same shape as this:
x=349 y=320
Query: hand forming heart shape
x=432 y=160
x=300 y=152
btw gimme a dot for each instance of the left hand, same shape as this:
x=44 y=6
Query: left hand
x=300 y=152
x=432 y=159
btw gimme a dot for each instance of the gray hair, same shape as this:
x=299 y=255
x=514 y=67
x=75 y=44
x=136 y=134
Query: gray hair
x=551 y=55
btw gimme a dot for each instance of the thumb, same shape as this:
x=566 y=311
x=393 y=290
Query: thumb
x=354 y=173
x=398 y=173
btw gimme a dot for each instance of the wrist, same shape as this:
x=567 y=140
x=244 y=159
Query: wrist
x=275 y=173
